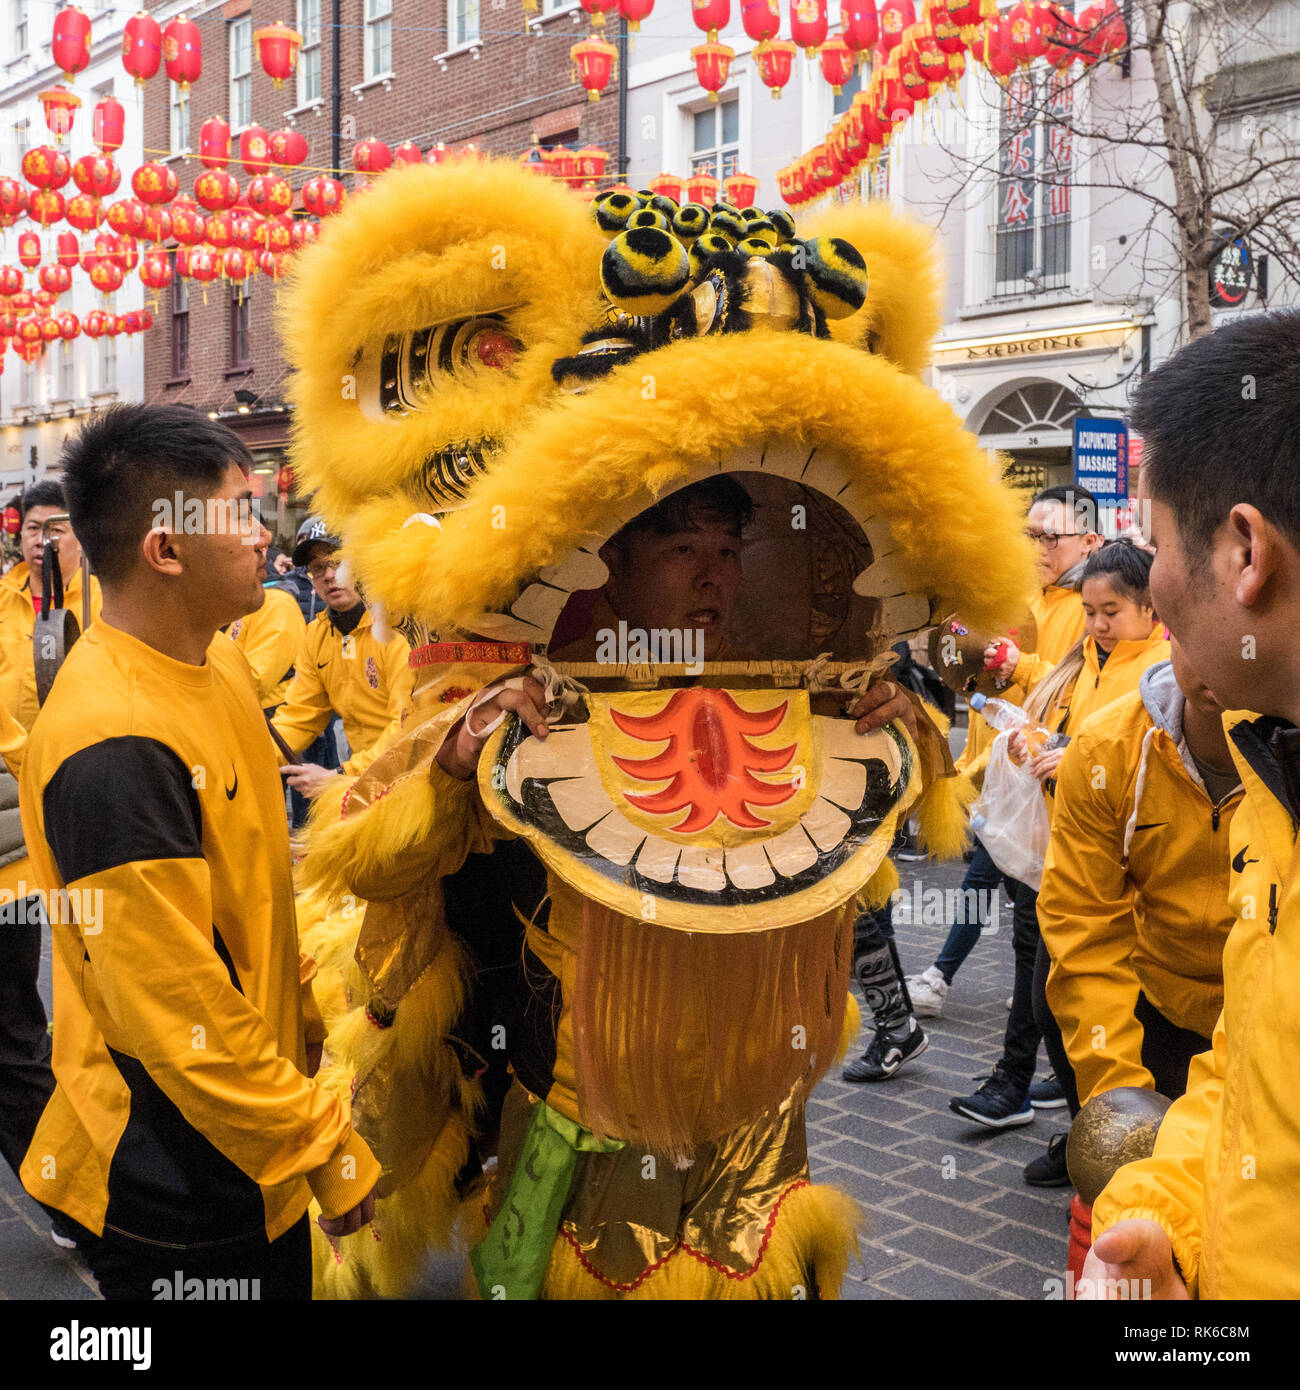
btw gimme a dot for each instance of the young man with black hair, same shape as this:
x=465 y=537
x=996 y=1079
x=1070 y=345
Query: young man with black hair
x=185 y=1132
x=1212 y=1213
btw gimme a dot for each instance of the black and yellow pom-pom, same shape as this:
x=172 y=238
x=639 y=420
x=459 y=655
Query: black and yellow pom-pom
x=613 y=210
x=643 y=270
x=648 y=217
x=729 y=224
x=690 y=221
x=754 y=246
x=646 y=195
x=760 y=227
x=710 y=244
x=783 y=223
x=752 y=214
x=836 y=276
x=661 y=202
x=730 y=208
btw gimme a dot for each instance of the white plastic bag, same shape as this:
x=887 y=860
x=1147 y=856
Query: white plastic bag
x=1010 y=817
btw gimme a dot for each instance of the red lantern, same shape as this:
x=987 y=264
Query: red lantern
x=592 y=161
x=29 y=330
x=1062 y=36
x=667 y=186
x=245 y=231
x=307 y=232
x=947 y=33
x=60 y=107
x=271 y=264
x=106 y=276
x=761 y=19
x=808 y=24
x=141 y=47
x=277 y=51
x=189 y=226
x=269 y=195
x=711 y=15
x=154 y=183
x=49 y=329
x=255 y=150
x=594 y=60
x=108 y=125
x=157 y=224
x=183 y=53
x=969 y=15
x=112 y=324
x=68 y=250
x=598 y=9
x=221 y=230
x=1027 y=38
x=11 y=281
x=288 y=148
x=999 y=56
x=156 y=269
x=29 y=352
x=46 y=167
x=97 y=175
x=371 y=157
x=126 y=216
x=275 y=234
x=214 y=143
x=1104 y=32
x=713 y=66
x=13 y=200
x=55 y=279
x=634 y=11
x=283 y=485
x=930 y=60
x=741 y=190
x=93 y=325
x=12 y=519
x=775 y=64
x=84 y=212
x=895 y=17
x=46 y=207
x=71 y=45
x=216 y=189
x=837 y=62
x=322 y=196
x=69 y=325
x=236 y=263
x=408 y=152
x=702 y=188
x=29 y=250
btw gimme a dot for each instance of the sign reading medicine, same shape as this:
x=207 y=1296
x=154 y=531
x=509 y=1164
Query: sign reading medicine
x=1101 y=457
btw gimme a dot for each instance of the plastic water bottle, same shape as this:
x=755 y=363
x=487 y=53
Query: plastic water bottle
x=1008 y=718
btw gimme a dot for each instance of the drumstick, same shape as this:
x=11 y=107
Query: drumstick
x=286 y=752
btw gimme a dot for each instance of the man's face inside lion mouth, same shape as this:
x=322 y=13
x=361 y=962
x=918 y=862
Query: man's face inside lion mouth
x=677 y=567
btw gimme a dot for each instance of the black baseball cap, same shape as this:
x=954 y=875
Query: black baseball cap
x=313 y=531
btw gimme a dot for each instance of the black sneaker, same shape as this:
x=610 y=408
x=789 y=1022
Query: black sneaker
x=1049 y=1169
x=885 y=1053
x=1047 y=1095
x=999 y=1103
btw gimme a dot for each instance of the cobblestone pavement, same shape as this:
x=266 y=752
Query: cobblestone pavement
x=948 y=1212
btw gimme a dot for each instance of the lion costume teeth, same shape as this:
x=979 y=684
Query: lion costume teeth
x=491 y=381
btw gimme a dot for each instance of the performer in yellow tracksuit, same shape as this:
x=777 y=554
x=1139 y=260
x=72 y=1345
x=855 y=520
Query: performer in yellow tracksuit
x=271 y=639
x=1134 y=903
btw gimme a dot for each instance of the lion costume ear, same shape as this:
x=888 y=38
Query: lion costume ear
x=423 y=324
x=903 y=311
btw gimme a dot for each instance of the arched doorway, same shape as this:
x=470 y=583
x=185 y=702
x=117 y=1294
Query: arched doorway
x=1033 y=423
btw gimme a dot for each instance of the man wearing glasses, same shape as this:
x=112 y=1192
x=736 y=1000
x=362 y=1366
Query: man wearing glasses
x=342 y=668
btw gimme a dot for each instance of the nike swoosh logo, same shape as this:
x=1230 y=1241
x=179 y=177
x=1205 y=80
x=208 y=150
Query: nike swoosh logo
x=320 y=665
x=1239 y=860
x=1150 y=825
x=230 y=791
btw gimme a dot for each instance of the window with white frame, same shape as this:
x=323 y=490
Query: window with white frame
x=310 y=53
x=379 y=38
x=241 y=72
x=180 y=120
x=107 y=363
x=463 y=26
x=847 y=92
x=27 y=384
x=22 y=30
x=66 y=377
x=22 y=138
x=715 y=139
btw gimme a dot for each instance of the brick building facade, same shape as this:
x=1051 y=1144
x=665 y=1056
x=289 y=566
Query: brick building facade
x=450 y=71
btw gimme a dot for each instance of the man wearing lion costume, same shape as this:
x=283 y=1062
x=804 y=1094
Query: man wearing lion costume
x=594 y=908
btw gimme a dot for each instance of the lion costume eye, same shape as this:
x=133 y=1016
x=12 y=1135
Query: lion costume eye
x=410 y=366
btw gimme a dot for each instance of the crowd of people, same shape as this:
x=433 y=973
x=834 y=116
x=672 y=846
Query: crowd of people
x=179 y=1107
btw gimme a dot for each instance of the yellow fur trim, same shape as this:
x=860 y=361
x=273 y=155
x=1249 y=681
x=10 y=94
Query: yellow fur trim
x=424 y=246
x=849 y=1032
x=942 y=822
x=879 y=888
x=813 y=1234
x=904 y=307
x=604 y=455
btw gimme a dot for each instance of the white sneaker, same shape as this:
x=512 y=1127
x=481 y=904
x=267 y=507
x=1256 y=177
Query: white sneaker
x=928 y=991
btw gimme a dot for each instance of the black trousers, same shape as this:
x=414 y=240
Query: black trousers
x=26 y=1081
x=127 y=1269
x=1020 y=1043
x=1167 y=1049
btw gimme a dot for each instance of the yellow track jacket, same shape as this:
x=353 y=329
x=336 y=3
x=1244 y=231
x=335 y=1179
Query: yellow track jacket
x=182 y=1114
x=1135 y=887
x=1058 y=611
x=1226 y=1168
x=17 y=623
x=271 y=639
x=364 y=681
